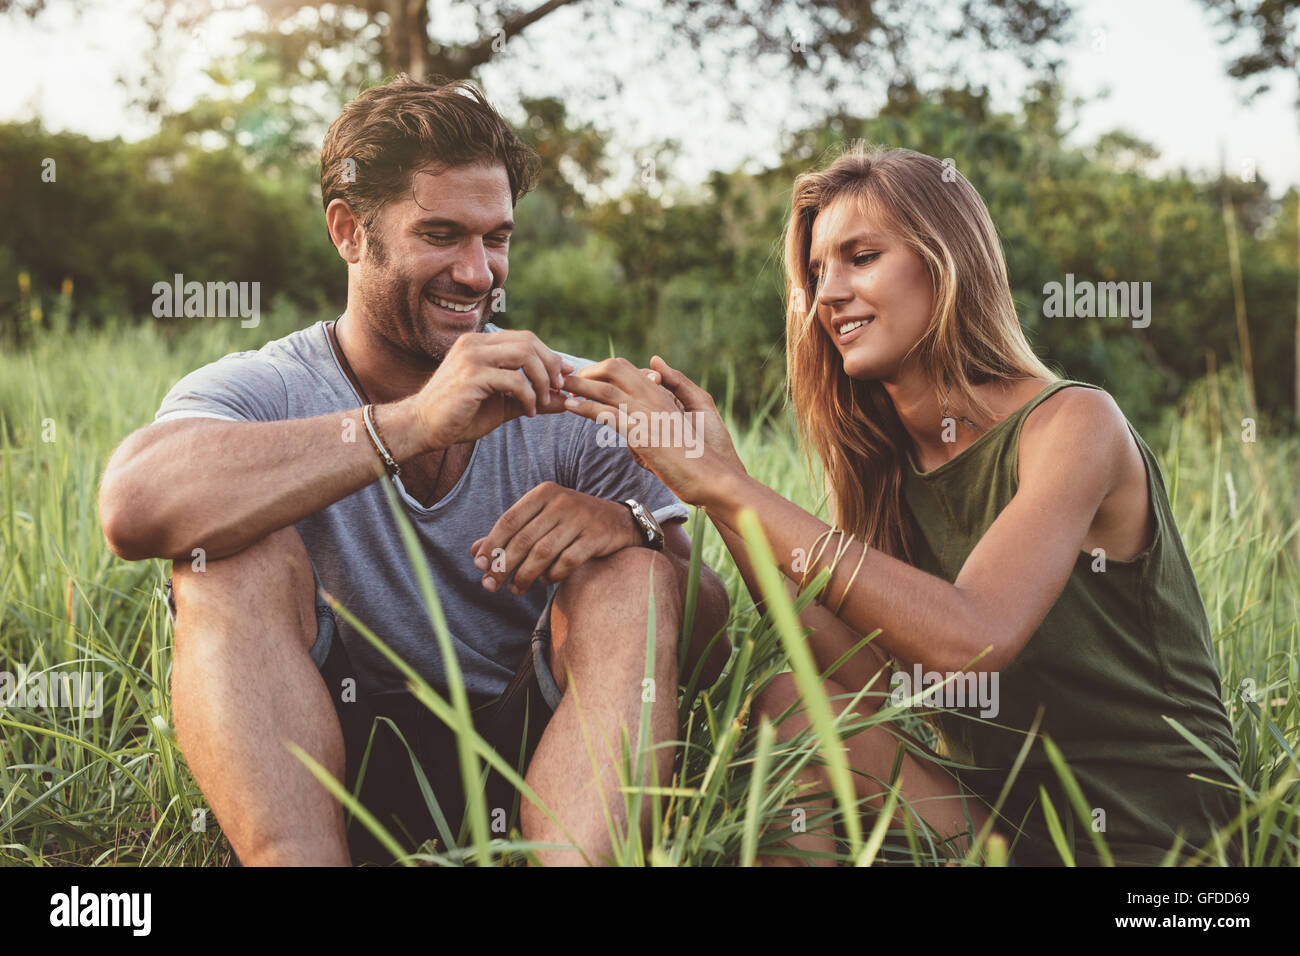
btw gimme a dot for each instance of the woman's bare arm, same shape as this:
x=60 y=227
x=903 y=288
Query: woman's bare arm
x=1011 y=579
x=830 y=638
x=1071 y=452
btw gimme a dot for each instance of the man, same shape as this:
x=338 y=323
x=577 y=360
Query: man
x=258 y=478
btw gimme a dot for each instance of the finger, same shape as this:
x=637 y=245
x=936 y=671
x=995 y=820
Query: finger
x=556 y=366
x=615 y=417
x=670 y=378
x=519 y=355
x=541 y=556
x=538 y=374
x=687 y=392
x=551 y=361
x=598 y=412
x=657 y=378
x=522 y=351
x=598 y=391
x=517 y=516
x=617 y=371
x=578 y=553
x=510 y=383
x=553 y=403
x=517 y=550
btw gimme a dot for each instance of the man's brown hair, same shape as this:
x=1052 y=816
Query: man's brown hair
x=389 y=131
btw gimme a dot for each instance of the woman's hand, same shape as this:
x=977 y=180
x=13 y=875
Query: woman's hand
x=699 y=403
x=670 y=424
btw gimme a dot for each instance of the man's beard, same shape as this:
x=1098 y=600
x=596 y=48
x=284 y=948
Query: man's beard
x=395 y=311
x=395 y=315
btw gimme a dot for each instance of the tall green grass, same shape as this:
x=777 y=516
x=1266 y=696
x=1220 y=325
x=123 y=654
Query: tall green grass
x=115 y=789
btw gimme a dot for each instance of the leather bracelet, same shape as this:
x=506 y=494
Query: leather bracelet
x=377 y=440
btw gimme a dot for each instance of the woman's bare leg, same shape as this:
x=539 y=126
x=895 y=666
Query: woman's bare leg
x=934 y=792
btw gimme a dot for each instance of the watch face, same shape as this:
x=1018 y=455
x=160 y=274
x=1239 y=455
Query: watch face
x=653 y=532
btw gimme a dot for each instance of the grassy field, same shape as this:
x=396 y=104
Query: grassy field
x=76 y=788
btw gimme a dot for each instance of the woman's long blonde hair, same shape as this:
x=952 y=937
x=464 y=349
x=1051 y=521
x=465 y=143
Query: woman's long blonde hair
x=974 y=335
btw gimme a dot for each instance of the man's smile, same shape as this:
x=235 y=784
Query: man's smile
x=454 y=310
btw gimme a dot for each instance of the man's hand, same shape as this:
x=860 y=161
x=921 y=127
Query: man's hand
x=698 y=449
x=478 y=387
x=549 y=533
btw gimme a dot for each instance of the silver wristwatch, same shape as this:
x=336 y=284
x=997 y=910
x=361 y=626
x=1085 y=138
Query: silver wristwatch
x=654 y=535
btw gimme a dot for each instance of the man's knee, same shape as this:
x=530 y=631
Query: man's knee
x=612 y=597
x=626 y=579
x=270 y=582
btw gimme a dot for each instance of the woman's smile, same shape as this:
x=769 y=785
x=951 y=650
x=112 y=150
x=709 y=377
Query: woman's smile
x=850 y=328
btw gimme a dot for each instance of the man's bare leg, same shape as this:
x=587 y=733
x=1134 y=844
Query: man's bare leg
x=598 y=628
x=933 y=792
x=243 y=682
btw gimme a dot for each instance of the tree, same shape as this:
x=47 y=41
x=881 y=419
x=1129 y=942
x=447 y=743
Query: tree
x=419 y=37
x=351 y=43
x=1274 y=26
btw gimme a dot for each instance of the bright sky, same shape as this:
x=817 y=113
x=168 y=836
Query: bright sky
x=1166 y=70
x=1159 y=58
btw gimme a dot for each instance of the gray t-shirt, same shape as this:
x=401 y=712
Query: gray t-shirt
x=355 y=544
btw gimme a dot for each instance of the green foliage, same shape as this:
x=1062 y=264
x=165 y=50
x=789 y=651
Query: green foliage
x=1269 y=32
x=703 y=277
x=694 y=273
x=115 y=789
x=119 y=217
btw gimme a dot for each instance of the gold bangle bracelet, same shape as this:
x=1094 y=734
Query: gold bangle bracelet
x=841 y=549
x=824 y=540
x=848 y=587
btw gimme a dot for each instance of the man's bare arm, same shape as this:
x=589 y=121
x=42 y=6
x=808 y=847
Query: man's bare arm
x=221 y=485
x=217 y=485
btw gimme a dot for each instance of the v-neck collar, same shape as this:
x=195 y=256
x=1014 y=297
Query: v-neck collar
x=405 y=496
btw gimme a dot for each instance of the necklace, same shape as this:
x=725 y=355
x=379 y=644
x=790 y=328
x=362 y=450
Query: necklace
x=961 y=418
x=337 y=346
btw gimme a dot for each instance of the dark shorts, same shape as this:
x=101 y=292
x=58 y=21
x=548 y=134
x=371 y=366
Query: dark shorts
x=511 y=723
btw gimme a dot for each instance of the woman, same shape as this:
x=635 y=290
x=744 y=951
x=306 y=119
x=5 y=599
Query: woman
x=995 y=510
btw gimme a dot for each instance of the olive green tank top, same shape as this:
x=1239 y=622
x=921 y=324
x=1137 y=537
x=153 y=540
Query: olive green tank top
x=1121 y=649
